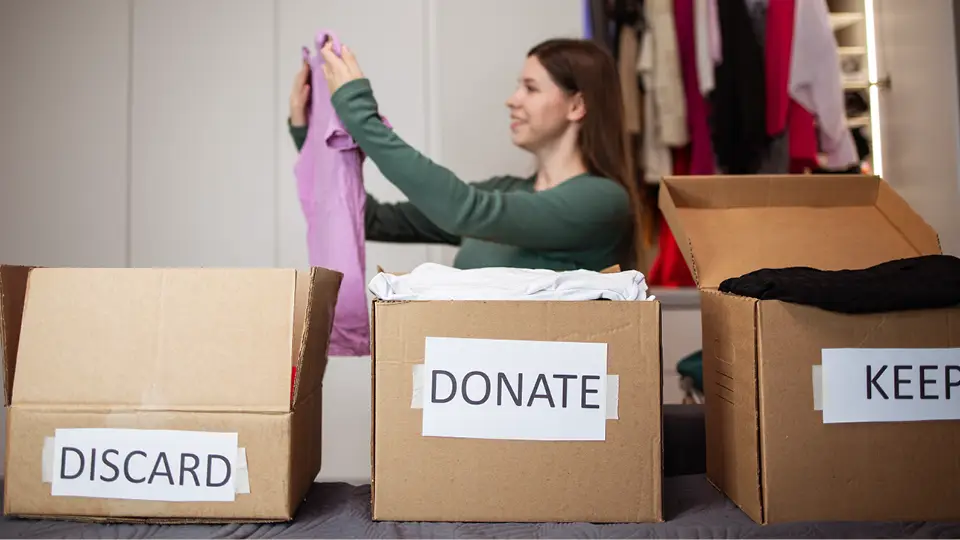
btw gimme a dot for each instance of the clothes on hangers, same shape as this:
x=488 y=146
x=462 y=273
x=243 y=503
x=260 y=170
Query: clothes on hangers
x=816 y=83
x=629 y=86
x=660 y=56
x=738 y=102
x=702 y=159
x=707 y=28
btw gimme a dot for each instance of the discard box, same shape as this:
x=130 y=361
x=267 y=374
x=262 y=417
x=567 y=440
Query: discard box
x=163 y=394
x=517 y=411
x=772 y=446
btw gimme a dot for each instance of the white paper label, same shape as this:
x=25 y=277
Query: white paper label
x=142 y=464
x=521 y=390
x=890 y=385
x=613 y=392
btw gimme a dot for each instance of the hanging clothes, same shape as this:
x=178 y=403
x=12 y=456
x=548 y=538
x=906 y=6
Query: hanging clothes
x=785 y=118
x=600 y=24
x=587 y=20
x=329 y=176
x=660 y=56
x=775 y=157
x=716 y=47
x=667 y=119
x=739 y=117
x=702 y=159
x=707 y=31
x=629 y=85
x=670 y=269
x=777 y=54
x=816 y=84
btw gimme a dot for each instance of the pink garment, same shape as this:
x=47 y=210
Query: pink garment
x=330 y=185
x=702 y=160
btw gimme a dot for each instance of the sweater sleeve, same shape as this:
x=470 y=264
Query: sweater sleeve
x=572 y=215
x=402 y=223
x=298 y=134
x=390 y=222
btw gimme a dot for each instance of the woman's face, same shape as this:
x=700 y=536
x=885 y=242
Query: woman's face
x=540 y=111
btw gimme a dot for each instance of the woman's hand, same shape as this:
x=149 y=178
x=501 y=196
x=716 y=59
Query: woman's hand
x=300 y=96
x=339 y=71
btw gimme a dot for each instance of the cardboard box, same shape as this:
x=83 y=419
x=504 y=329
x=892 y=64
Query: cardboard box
x=768 y=448
x=436 y=457
x=130 y=391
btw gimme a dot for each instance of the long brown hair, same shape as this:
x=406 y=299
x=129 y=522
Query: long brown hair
x=581 y=66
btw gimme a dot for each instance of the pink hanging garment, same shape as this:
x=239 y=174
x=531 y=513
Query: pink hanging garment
x=330 y=185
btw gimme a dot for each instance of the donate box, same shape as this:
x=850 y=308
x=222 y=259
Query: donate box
x=517 y=411
x=816 y=415
x=163 y=394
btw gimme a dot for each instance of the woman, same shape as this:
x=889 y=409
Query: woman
x=576 y=212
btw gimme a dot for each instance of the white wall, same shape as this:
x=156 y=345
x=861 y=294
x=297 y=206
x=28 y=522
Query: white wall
x=64 y=149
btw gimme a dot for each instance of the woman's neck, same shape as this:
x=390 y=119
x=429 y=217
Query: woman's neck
x=556 y=165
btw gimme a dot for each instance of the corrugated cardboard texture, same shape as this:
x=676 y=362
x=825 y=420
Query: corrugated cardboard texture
x=730 y=391
x=156 y=338
x=767 y=448
x=880 y=471
x=439 y=479
x=318 y=323
x=729 y=226
x=187 y=349
x=265 y=436
x=13 y=287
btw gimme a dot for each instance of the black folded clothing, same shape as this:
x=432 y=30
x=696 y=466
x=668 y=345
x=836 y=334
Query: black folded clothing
x=926 y=282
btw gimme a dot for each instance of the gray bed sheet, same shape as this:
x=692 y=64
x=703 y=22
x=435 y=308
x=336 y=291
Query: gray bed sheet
x=693 y=509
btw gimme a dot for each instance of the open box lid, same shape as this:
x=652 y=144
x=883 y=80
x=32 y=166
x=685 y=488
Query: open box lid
x=727 y=226
x=164 y=339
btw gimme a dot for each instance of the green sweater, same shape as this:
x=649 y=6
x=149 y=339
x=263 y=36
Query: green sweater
x=582 y=223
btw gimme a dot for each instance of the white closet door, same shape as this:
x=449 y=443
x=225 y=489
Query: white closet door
x=920 y=112
x=479 y=50
x=388 y=40
x=63 y=108
x=204 y=128
x=479 y=54
x=63 y=158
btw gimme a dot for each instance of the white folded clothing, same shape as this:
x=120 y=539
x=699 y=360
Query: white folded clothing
x=431 y=281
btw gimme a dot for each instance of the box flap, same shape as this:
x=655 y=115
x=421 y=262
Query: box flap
x=727 y=226
x=13 y=287
x=157 y=339
x=317 y=294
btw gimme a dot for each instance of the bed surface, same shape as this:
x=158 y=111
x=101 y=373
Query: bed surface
x=693 y=509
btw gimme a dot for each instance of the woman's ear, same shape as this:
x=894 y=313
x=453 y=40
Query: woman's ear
x=578 y=108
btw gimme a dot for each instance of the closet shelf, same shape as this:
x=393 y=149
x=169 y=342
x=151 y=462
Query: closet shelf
x=856 y=84
x=839 y=21
x=858 y=121
x=852 y=51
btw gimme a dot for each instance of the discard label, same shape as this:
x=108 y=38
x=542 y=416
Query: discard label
x=522 y=390
x=141 y=464
x=890 y=385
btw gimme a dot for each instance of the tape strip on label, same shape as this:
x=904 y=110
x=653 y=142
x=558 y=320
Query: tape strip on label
x=241 y=479
x=613 y=392
x=818 y=388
